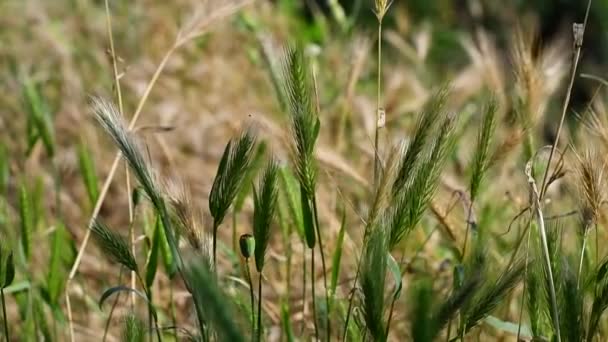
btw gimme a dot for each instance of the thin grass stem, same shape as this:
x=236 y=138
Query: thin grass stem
x=582 y=258
x=259 y=339
x=114 y=304
x=578 y=44
x=251 y=297
x=316 y=214
x=312 y=288
x=378 y=109
x=4 y=316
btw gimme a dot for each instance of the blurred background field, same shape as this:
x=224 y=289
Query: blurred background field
x=55 y=55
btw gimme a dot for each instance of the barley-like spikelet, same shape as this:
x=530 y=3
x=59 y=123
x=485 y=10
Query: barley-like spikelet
x=305 y=123
x=113 y=245
x=481 y=157
x=231 y=172
x=265 y=202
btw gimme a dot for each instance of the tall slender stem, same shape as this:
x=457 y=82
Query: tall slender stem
x=580 y=263
x=466 y=234
x=4 y=316
x=303 y=286
x=215 y=227
x=316 y=214
x=312 y=288
x=251 y=295
x=259 y=339
x=378 y=109
x=578 y=43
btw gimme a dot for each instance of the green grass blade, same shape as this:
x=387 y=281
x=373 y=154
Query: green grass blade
x=152 y=263
x=337 y=257
x=87 y=171
x=26 y=216
x=134 y=329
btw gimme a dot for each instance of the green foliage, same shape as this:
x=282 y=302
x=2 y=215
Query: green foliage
x=87 y=171
x=7 y=266
x=153 y=255
x=232 y=170
x=600 y=300
x=372 y=282
x=210 y=301
x=39 y=120
x=421 y=308
x=61 y=254
x=134 y=329
x=491 y=295
x=26 y=216
x=265 y=200
x=114 y=246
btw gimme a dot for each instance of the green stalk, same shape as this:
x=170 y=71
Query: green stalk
x=114 y=304
x=312 y=286
x=303 y=284
x=4 y=315
x=580 y=264
x=379 y=86
x=151 y=316
x=251 y=295
x=215 y=228
x=315 y=211
x=259 y=339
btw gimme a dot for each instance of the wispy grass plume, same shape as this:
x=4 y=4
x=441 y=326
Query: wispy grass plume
x=112 y=122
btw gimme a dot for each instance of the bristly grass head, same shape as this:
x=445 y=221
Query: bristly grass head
x=591 y=185
x=381 y=7
x=265 y=202
x=423 y=131
x=412 y=201
x=111 y=121
x=305 y=123
x=372 y=281
x=186 y=218
x=113 y=245
x=231 y=172
x=481 y=157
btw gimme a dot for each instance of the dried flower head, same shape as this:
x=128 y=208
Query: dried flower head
x=590 y=184
x=381 y=7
